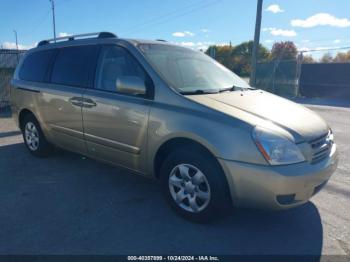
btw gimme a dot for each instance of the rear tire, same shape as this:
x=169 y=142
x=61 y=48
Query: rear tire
x=34 y=138
x=194 y=185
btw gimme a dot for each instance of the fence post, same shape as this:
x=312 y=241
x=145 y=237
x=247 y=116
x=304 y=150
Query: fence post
x=298 y=73
x=274 y=76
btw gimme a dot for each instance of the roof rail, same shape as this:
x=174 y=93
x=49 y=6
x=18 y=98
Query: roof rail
x=73 y=37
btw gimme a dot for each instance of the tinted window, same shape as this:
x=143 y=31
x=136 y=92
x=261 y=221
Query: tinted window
x=74 y=66
x=115 y=62
x=35 y=65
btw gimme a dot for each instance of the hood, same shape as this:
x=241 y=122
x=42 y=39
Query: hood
x=255 y=106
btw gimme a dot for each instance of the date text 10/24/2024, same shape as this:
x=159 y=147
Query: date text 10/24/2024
x=173 y=258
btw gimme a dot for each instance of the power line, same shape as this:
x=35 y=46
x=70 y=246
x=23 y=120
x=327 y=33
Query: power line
x=173 y=15
x=164 y=15
x=326 y=49
x=40 y=22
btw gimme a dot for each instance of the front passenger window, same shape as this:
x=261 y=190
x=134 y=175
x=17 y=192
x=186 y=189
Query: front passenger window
x=114 y=63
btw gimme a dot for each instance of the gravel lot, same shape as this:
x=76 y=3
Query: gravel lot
x=67 y=204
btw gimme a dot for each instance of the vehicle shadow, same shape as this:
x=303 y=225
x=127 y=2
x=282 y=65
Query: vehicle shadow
x=10 y=133
x=335 y=102
x=68 y=204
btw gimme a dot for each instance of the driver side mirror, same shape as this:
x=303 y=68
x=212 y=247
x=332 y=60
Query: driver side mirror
x=131 y=85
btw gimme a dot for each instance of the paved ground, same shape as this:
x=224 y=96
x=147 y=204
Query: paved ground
x=67 y=204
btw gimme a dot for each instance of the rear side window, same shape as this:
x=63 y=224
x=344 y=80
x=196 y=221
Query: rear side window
x=35 y=66
x=74 y=66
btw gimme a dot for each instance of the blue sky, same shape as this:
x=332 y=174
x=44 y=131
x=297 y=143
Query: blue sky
x=311 y=24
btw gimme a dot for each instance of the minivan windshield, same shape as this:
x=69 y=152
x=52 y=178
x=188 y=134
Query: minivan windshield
x=190 y=71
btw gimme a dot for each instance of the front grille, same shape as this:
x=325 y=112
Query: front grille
x=321 y=147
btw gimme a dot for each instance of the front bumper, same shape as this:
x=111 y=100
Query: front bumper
x=277 y=187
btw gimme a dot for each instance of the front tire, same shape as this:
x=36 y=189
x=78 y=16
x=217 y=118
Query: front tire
x=194 y=185
x=34 y=138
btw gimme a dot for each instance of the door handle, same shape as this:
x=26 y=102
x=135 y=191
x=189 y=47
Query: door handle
x=76 y=101
x=87 y=102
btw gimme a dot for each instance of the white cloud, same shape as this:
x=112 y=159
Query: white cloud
x=279 y=32
x=324 y=48
x=12 y=45
x=305 y=41
x=321 y=19
x=187 y=44
x=303 y=49
x=205 y=30
x=183 y=34
x=63 y=34
x=179 y=34
x=336 y=41
x=268 y=29
x=274 y=9
x=196 y=45
x=189 y=33
x=268 y=41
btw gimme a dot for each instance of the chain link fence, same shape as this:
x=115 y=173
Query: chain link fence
x=279 y=77
x=316 y=77
x=290 y=78
x=8 y=61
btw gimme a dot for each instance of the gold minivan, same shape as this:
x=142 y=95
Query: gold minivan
x=174 y=114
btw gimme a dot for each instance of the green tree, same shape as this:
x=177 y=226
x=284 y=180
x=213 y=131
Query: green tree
x=284 y=51
x=238 y=58
x=308 y=59
x=242 y=56
x=222 y=54
x=326 y=58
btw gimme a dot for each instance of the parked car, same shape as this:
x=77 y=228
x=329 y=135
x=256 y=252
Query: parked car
x=173 y=114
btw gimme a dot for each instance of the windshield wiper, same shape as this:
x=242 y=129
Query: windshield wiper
x=200 y=92
x=233 y=88
x=236 y=88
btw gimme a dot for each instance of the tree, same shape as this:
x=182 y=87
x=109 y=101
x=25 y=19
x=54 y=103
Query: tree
x=242 y=56
x=284 y=51
x=224 y=56
x=308 y=59
x=342 y=57
x=238 y=58
x=326 y=58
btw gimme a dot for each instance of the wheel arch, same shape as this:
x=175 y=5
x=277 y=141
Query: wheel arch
x=172 y=144
x=182 y=142
x=22 y=114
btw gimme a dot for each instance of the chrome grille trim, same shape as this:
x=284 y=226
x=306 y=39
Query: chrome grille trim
x=321 y=147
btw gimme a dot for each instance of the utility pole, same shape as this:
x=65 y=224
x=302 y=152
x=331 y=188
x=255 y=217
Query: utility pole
x=53 y=18
x=256 y=42
x=16 y=39
x=16 y=45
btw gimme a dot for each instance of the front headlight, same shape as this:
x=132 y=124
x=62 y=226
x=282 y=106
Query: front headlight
x=276 y=148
